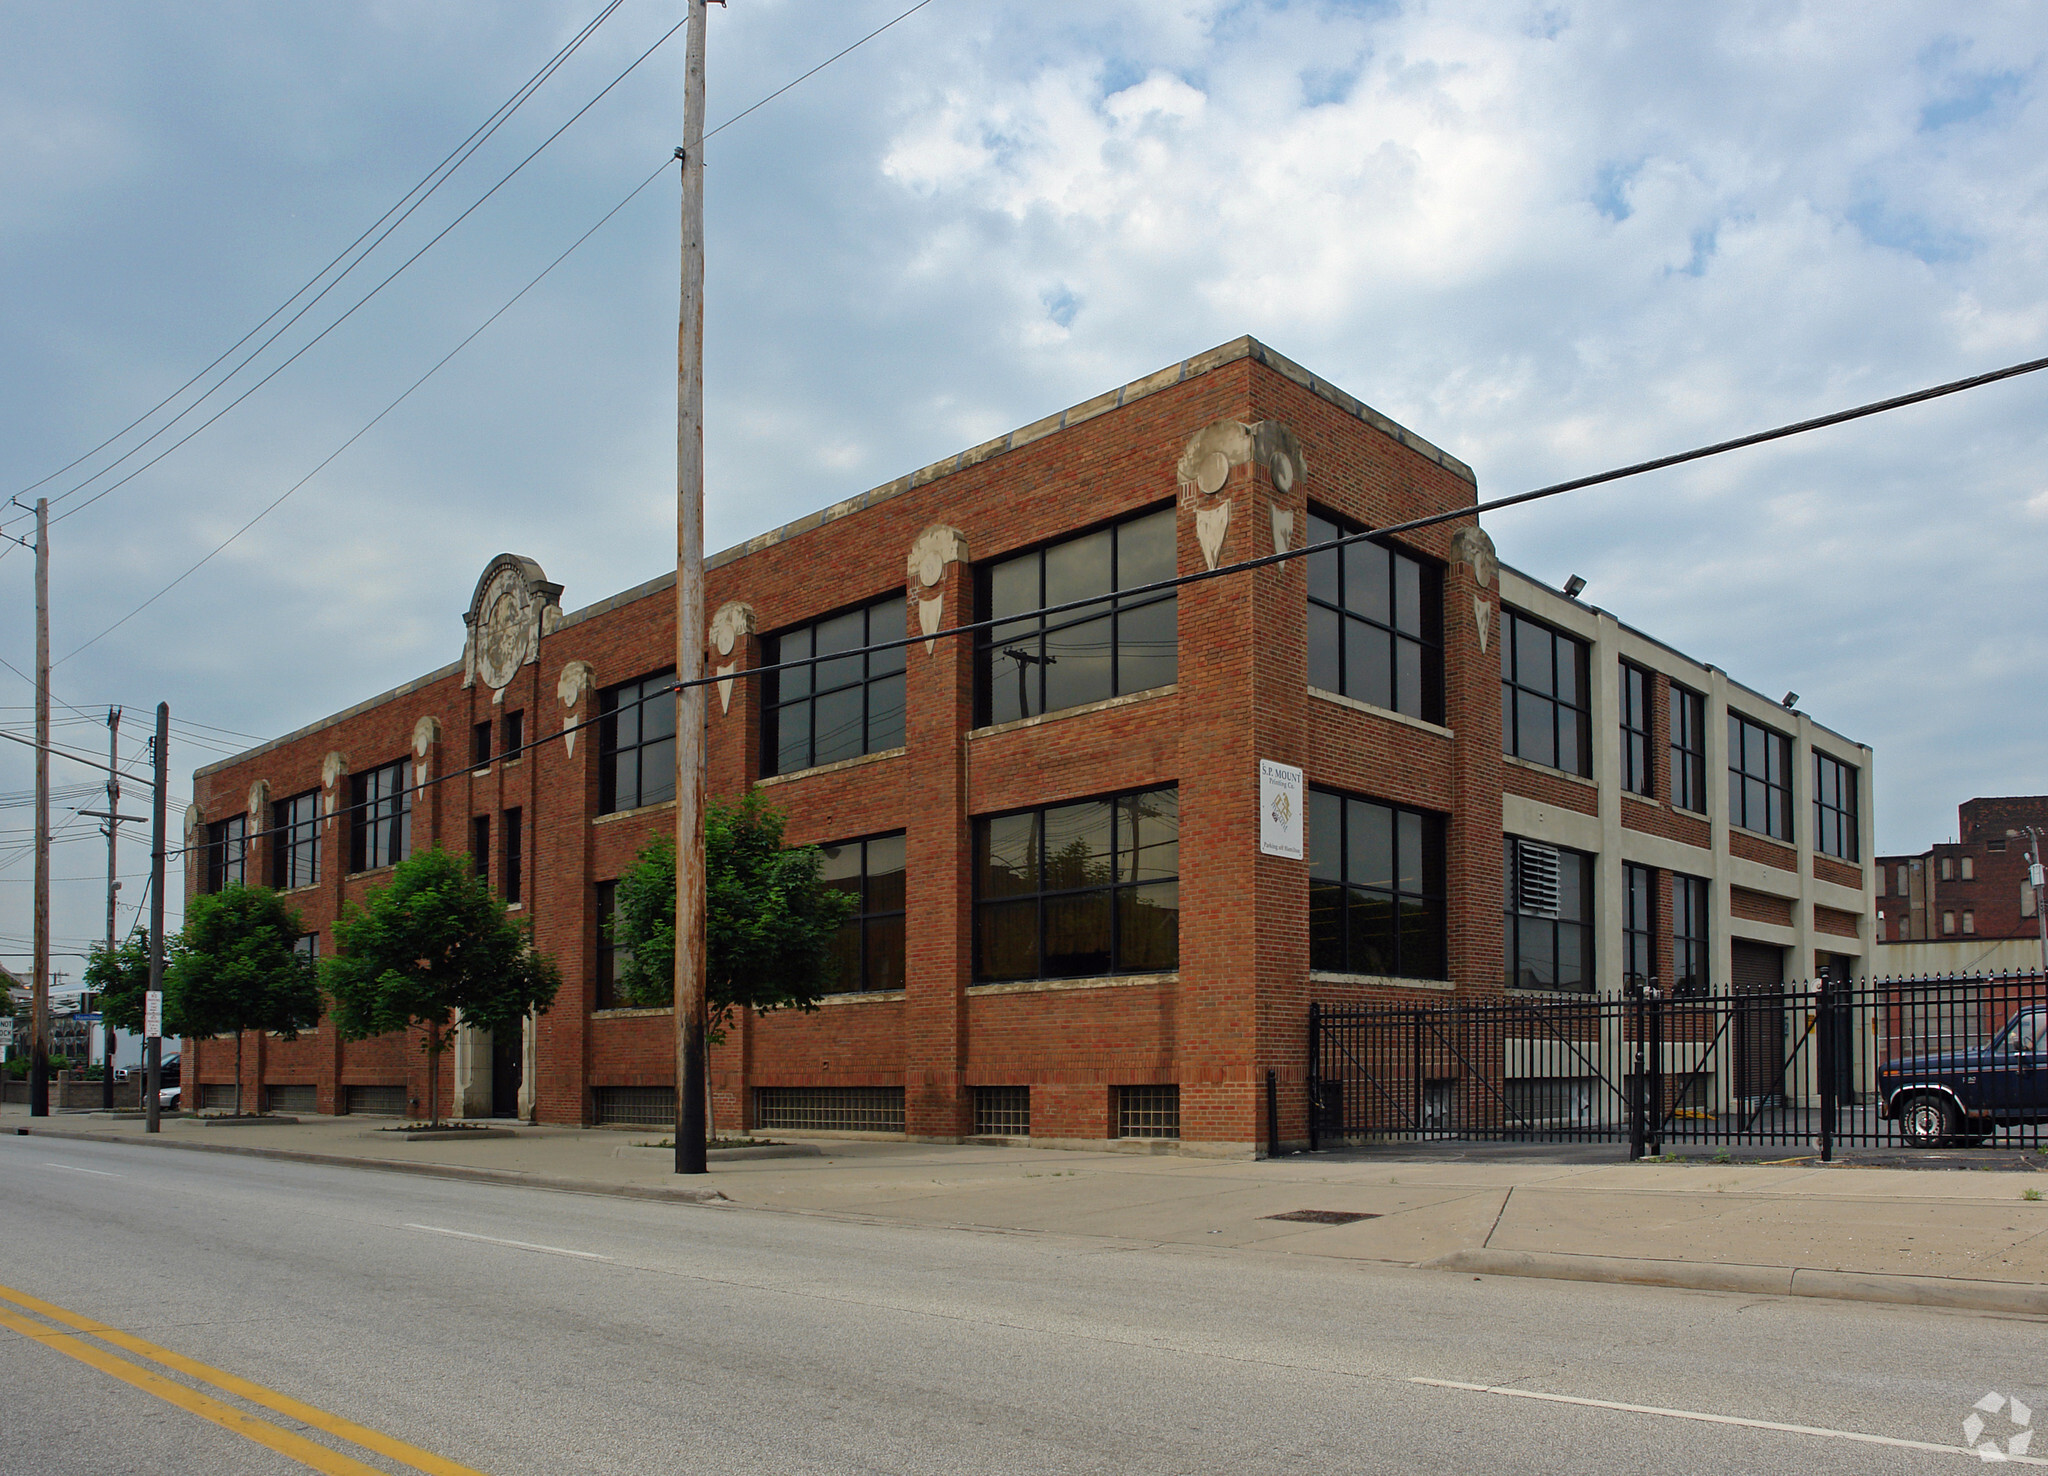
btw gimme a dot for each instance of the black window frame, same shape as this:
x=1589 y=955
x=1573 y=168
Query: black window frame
x=831 y=677
x=1691 y=936
x=879 y=921
x=1638 y=923
x=480 y=847
x=512 y=846
x=1341 y=637
x=1637 y=690
x=1022 y=643
x=1687 y=713
x=295 y=841
x=227 y=852
x=1534 y=693
x=512 y=733
x=634 y=700
x=380 y=817
x=1837 y=809
x=480 y=744
x=1777 y=794
x=1122 y=891
x=1394 y=905
x=1553 y=929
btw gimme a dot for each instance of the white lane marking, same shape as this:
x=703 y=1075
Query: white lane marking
x=525 y=1245
x=74 y=1168
x=1716 y=1419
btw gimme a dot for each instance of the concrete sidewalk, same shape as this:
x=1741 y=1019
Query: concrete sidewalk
x=1942 y=1237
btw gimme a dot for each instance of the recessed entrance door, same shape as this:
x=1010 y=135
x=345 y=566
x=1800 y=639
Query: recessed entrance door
x=1759 y=969
x=508 y=1064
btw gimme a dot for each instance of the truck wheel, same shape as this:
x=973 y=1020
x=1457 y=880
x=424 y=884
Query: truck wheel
x=1928 y=1121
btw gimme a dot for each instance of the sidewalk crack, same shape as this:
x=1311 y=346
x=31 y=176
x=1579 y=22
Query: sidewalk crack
x=1498 y=1217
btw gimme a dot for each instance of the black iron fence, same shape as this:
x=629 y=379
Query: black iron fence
x=1922 y=1062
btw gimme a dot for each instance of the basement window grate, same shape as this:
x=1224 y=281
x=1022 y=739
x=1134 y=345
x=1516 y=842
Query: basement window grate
x=217 y=1096
x=1148 y=1111
x=634 y=1106
x=378 y=1101
x=299 y=1097
x=1002 y=1112
x=829 y=1109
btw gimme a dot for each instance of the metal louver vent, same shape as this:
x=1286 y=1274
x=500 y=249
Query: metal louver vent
x=1536 y=869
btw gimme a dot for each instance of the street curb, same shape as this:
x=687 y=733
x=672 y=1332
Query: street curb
x=396 y=1166
x=1778 y=1281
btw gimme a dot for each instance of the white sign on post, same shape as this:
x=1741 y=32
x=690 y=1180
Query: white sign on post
x=1281 y=802
x=153 y=1014
x=6 y=1032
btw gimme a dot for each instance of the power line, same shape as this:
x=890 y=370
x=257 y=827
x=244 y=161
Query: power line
x=921 y=4
x=446 y=168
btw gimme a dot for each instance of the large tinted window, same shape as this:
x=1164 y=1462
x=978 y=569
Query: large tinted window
x=1375 y=624
x=1834 y=807
x=1759 y=778
x=636 y=744
x=380 y=829
x=1041 y=663
x=1638 y=923
x=227 y=852
x=1688 y=935
x=1543 y=695
x=1638 y=775
x=869 y=949
x=1549 y=937
x=1085 y=888
x=1688 y=750
x=836 y=708
x=1375 y=888
x=295 y=841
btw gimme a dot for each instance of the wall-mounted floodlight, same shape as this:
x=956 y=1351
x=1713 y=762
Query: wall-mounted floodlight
x=1573 y=586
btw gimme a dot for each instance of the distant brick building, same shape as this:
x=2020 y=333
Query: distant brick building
x=1973 y=887
x=1074 y=925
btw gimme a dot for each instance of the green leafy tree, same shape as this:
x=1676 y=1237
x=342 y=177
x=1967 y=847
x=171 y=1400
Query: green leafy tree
x=434 y=942
x=121 y=979
x=237 y=968
x=769 y=920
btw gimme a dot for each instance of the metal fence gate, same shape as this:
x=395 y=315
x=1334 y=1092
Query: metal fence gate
x=1864 y=1063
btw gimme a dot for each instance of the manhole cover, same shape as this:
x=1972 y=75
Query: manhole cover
x=1324 y=1217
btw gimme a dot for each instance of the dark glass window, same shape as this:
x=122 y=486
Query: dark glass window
x=380 y=833
x=1688 y=750
x=839 y=708
x=1688 y=935
x=227 y=852
x=1549 y=938
x=295 y=841
x=1543 y=695
x=1039 y=663
x=1375 y=888
x=1638 y=923
x=1637 y=774
x=512 y=734
x=509 y=876
x=1077 y=889
x=307 y=946
x=1375 y=623
x=869 y=948
x=606 y=975
x=480 y=845
x=1834 y=808
x=1759 y=778
x=636 y=744
x=480 y=744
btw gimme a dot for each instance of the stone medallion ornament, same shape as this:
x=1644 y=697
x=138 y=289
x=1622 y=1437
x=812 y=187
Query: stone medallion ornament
x=1204 y=475
x=577 y=678
x=933 y=549
x=513 y=607
x=1471 y=547
x=734 y=619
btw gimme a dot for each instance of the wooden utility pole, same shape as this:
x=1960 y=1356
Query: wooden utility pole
x=113 y=889
x=691 y=1017
x=39 y=1024
x=160 y=750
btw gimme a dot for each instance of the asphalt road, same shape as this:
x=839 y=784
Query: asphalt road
x=622 y=1336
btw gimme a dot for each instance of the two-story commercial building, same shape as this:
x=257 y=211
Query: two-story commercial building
x=1075 y=924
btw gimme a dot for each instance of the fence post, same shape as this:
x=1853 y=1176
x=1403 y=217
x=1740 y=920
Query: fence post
x=1415 y=1063
x=1653 y=1085
x=1824 y=1062
x=1638 y=1077
x=1315 y=1081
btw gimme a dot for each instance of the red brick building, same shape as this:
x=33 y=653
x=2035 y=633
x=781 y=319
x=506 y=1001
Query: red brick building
x=1975 y=886
x=1080 y=918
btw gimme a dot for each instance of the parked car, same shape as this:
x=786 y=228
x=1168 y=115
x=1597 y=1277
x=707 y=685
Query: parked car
x=1959 y=1098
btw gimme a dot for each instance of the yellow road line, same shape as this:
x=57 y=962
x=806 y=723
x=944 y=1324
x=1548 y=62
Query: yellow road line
x=284 y=1442
x=420 y=1460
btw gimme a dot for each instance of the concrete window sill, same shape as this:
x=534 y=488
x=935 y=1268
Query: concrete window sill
x=880 y=755
x=1354 y=705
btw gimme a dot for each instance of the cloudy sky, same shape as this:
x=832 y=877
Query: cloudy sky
x=1552 y=238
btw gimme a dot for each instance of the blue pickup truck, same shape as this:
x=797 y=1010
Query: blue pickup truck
x=1959 y=1098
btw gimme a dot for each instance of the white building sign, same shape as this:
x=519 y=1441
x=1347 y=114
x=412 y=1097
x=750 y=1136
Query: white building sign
x=152 y=1014
x=1281 y=802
